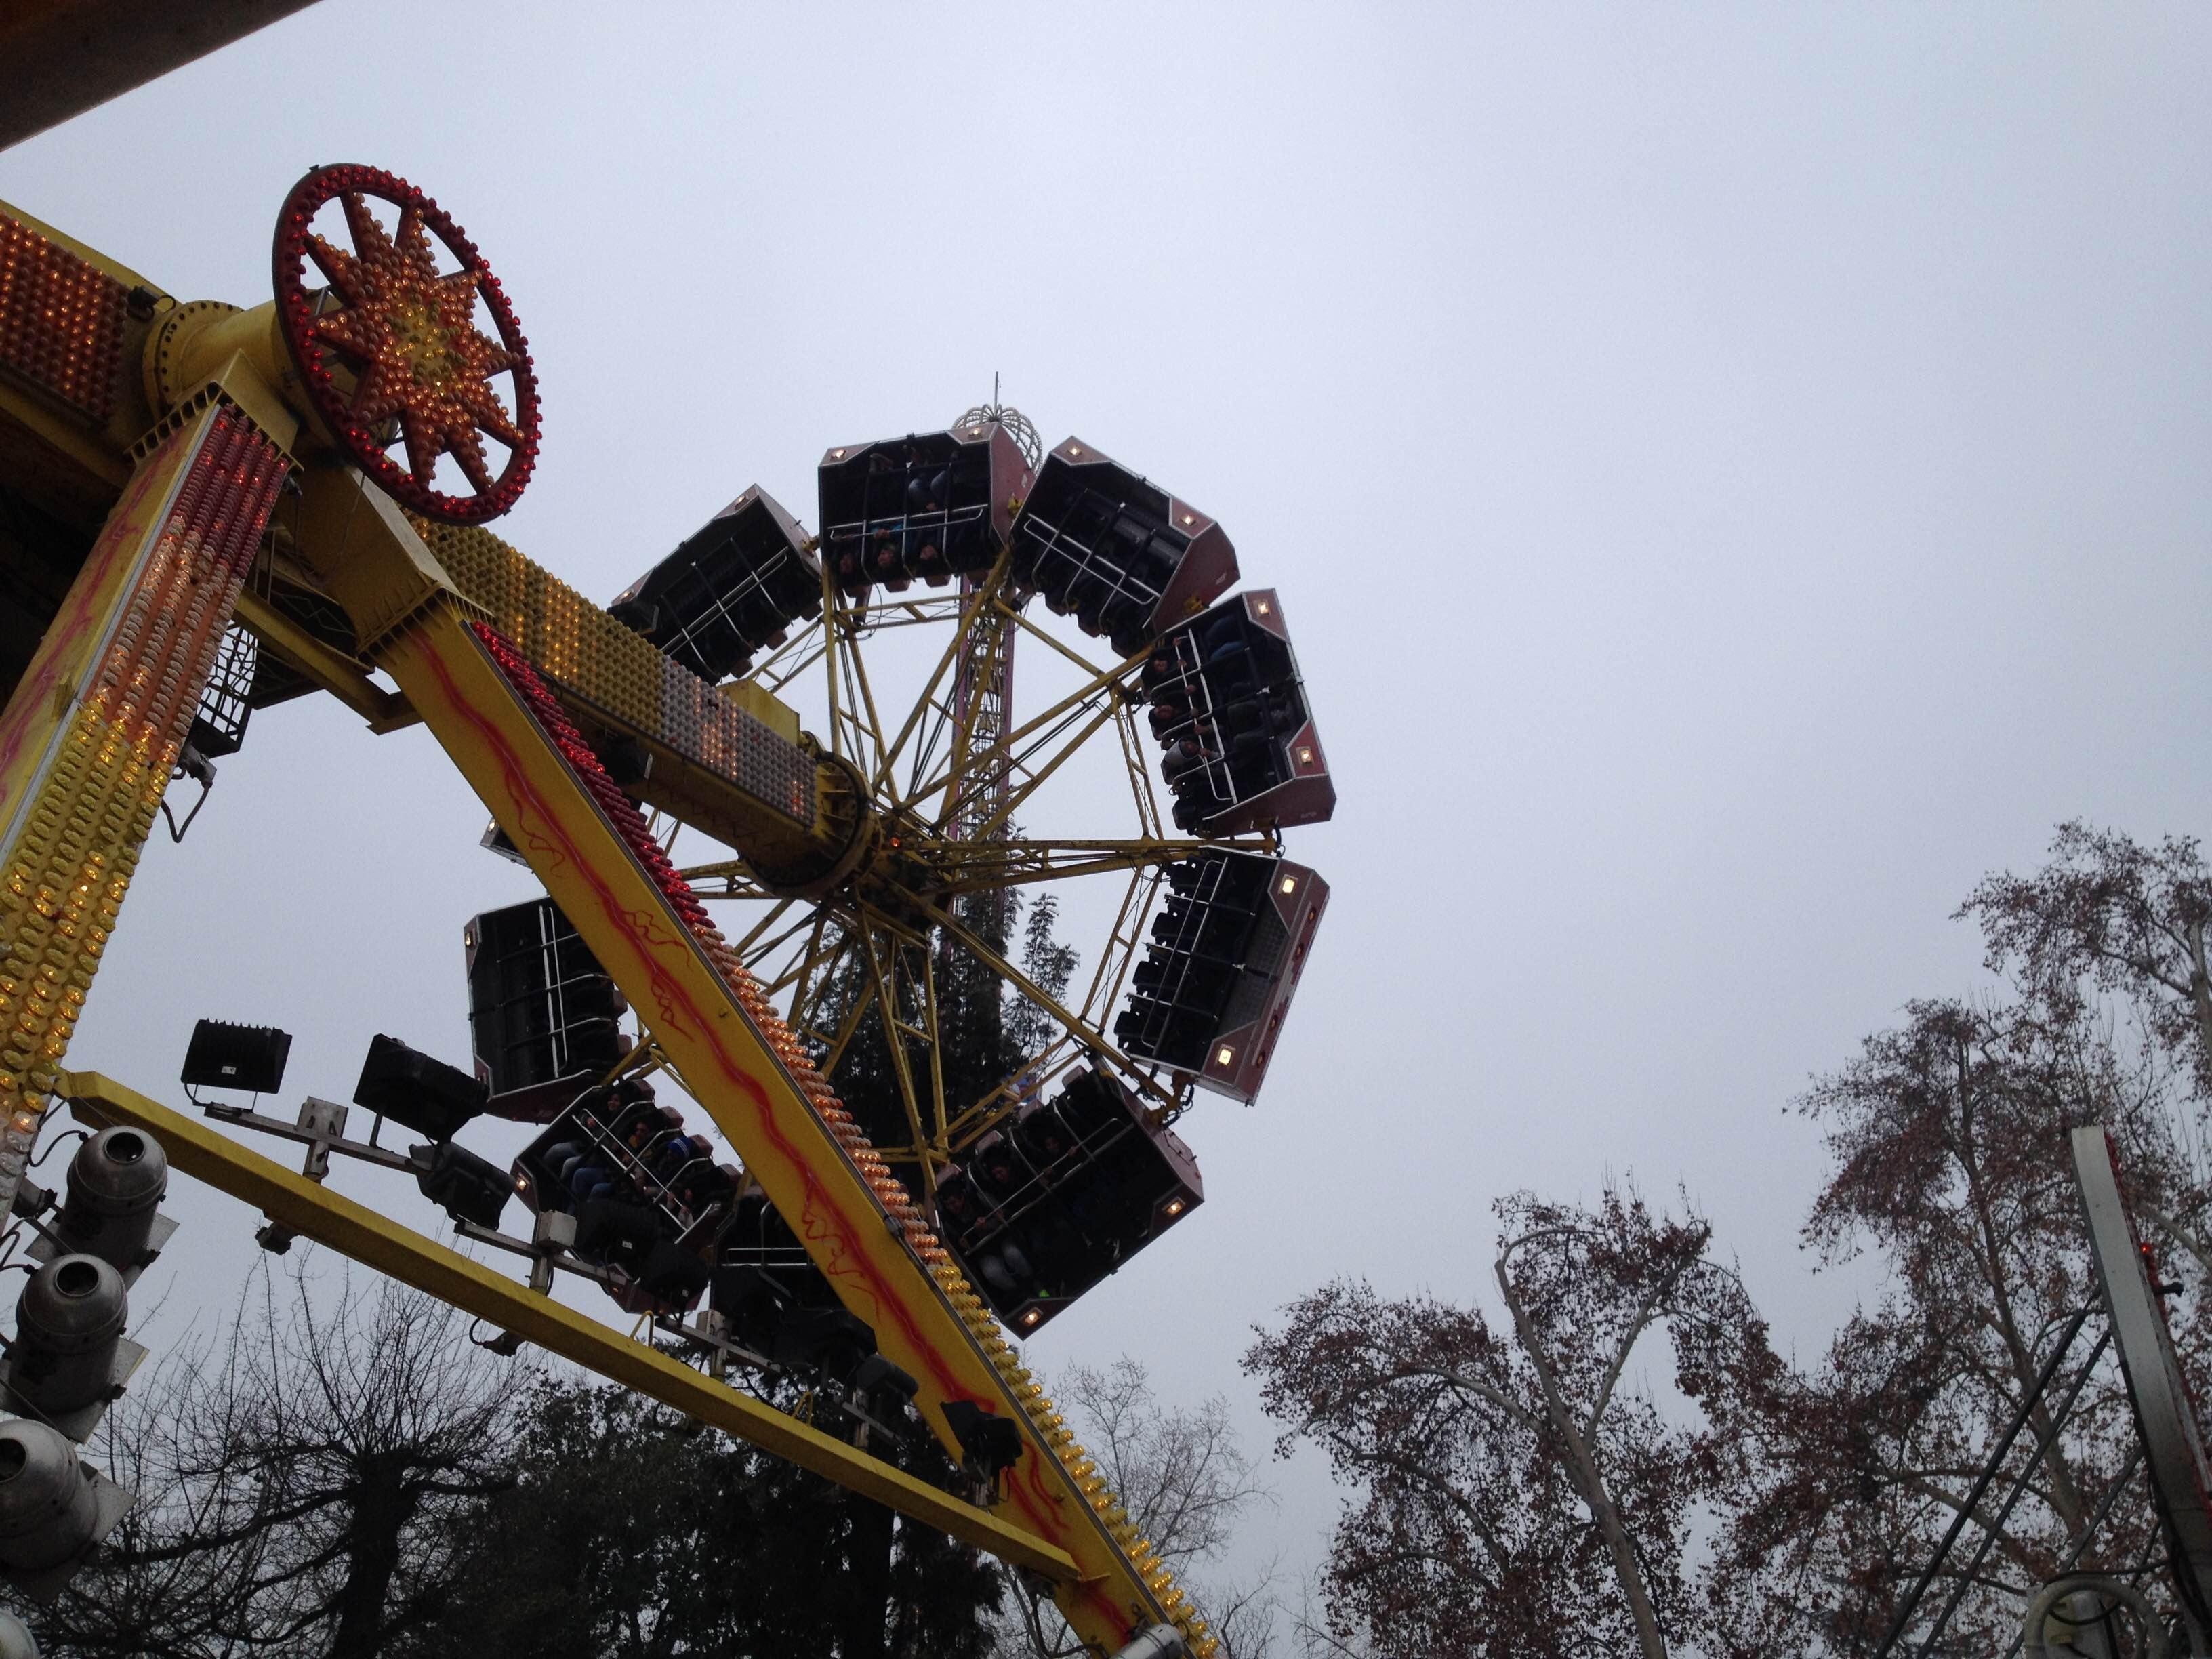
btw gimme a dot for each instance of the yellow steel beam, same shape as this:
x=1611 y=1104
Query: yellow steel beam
x=89 y=731
x=332 y=670
x=352 y=1230
x=615 y=683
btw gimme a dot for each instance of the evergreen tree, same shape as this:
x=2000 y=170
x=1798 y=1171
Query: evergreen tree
x=626 y=1537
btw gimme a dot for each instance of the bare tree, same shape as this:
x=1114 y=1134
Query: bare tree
x=1185 y=1480
x=2109 y=917
x=1523 y=1492
x=1950 y=1168
x=297 y=1478
x=2110 y=914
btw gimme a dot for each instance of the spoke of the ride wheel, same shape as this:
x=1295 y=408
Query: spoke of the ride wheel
x=754 y=948
x=644 y=1059
x=925 y=752
x=735 y=875
x=1141 y=776
x=1061 y=646
x=803 y=1003
x=972 y=606
x=896 y=1033
x=753 y=936
x=846 y=737
x=830 y=632
x=1015 y=797
x=1074 y=700
x=873 y=616
x=960 y=748
x=1081 y=1030
x=848 y=1029
x=1100 y=680
x=936 y=1056
x=954 y=804
x=669 y=1069
x=874 y=731
x=851 y=735
x=961 y=759
x=805 y=649
x=817 y=955
x=993 y=641
x=1121 y=945
x=982 y=866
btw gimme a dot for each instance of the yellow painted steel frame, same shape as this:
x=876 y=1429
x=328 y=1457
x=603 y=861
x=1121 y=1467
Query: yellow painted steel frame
x=718 y=1029
x=352 y=1230
x=88 y=735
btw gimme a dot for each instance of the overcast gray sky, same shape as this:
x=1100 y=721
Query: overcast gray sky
x=1736 y=475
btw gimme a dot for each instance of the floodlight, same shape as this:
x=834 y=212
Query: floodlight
x=116 y=1184
x=991 y=1443
x=225 y=1057
x=411 y=1088
x=54 y=1508
x=466 y=1186
x=67 y=1358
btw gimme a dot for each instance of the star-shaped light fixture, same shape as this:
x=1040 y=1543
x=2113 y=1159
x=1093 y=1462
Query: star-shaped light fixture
x=390 y=350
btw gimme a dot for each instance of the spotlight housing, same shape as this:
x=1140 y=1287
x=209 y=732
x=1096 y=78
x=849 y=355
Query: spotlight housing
x=993 y=1443
x=222 y=1055
x=412 y=1087
x=466 y=1186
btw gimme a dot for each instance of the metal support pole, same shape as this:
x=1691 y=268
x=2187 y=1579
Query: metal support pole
x=1983 y=1482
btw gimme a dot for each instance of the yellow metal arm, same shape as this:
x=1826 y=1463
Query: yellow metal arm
x=333 y=671
x=315 y=1212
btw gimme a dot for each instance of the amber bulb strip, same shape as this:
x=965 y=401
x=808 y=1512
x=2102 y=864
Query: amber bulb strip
x=61 y=320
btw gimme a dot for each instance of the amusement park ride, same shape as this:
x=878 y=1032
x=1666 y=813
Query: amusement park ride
x=210 y=510
x=206 y=510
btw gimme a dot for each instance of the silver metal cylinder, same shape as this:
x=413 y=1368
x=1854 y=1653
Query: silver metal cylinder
x=49 y=1511
x=1156 y=1642
x=2078 y=1605
x=68 y=1321
x=116 y=1183
x=16 y=1641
